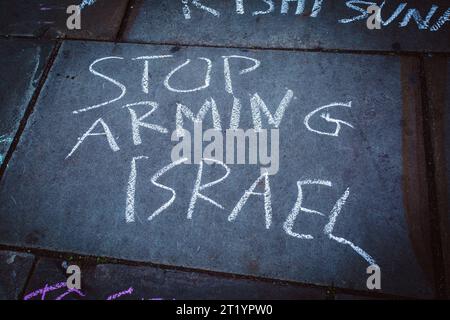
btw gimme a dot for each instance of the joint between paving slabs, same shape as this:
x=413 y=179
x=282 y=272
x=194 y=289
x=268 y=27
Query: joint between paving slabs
x=28 y=279
x=125 y=20
x=30 y=107
x=435 y=225
x=118 y=40
x=329 y=291
x=257 y=48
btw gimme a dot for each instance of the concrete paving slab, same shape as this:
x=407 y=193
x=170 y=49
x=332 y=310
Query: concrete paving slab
x=100 y=19
x=14 y=270
x=335 y=206
x=446 y=231
x=412 y=25
x=116 y=281
x=437 y=71
x=22 y=65
x=445 y=186
x=347 y=296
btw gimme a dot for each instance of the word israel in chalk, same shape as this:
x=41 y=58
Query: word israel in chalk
x=141 y=128
x=239 y=207
x=432 y=20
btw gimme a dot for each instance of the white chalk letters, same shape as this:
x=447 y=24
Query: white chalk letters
x=142 y=119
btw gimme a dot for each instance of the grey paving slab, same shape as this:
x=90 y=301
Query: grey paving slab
x=447 y=123
x=446 y=141
x=116 y=281
x=100 y=19
x=438 y=89
x=447 y=130
x=305 y=24
x=14 y=270
x=347 y=296
x=340 y=138
x=21 y=68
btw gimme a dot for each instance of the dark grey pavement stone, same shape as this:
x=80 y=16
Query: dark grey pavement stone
x=103 y=281
x=446 y=142
x=165 y=21
x=348 y=296
x=437 y=71
x=14 y=270
x=78 y=203
x=48 y=18
x=447 y=131
x=20 y=70
x=446 y=245
x=447 y=126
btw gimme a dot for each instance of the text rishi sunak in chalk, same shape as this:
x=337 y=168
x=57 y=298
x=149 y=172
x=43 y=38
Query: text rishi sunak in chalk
x=401 y=16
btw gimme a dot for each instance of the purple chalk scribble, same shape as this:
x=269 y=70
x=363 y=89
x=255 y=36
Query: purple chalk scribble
x=46 y=289
x=49 y=288
x=119 y=294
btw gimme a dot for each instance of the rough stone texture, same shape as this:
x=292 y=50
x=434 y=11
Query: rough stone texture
x=447 y=130
x=348 y=296
x=437 y=72
x=446 y=203
x=104 y=280
x=48 y=18
x=164 y=21
x=447 y=152
x=14 y=270
x=20 y=70
x=78 y=203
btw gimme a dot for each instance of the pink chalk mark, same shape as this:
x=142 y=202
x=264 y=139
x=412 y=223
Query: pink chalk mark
x=119 y=294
